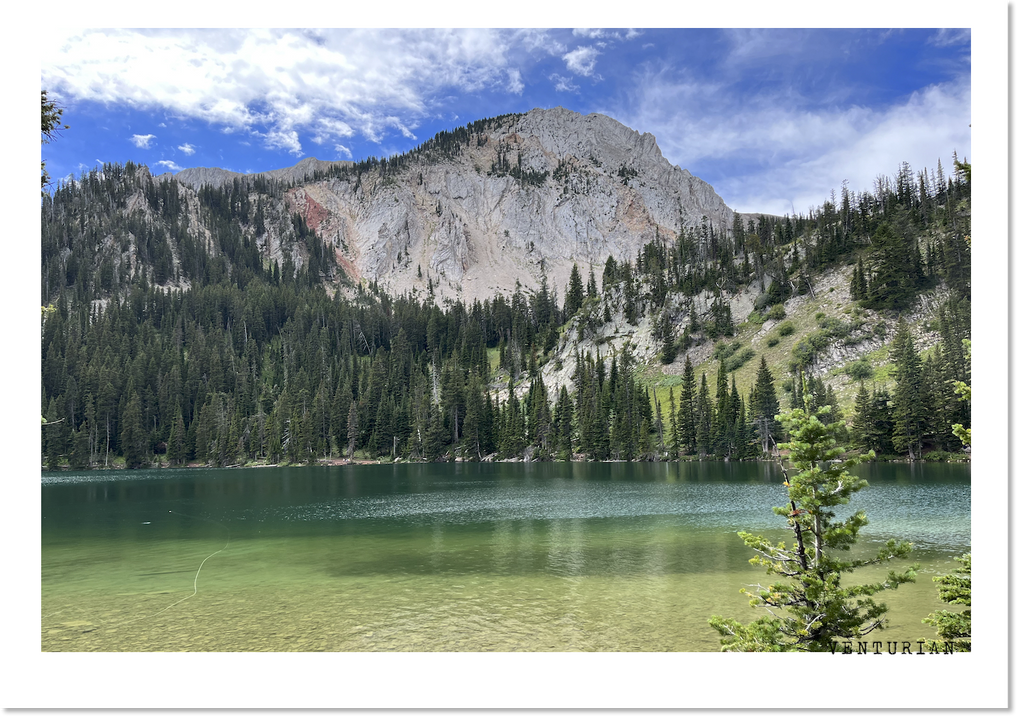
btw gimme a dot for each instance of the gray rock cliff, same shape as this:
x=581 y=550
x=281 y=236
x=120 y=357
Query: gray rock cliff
x=526 y=197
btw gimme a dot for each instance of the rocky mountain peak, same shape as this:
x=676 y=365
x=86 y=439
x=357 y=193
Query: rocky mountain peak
x=518 y=198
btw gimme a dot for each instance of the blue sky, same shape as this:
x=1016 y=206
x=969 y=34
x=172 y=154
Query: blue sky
x=774 y=119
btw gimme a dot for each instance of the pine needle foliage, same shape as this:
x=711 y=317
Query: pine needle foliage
x=953 y=628
x=810 y=608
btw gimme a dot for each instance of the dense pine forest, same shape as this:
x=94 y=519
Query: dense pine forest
x=170 y=336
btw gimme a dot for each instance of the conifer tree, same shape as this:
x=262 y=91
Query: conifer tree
x=737 y=417
x=810 y=609
x=703 y=415
x=723 y=418
x=563 y=424
x=471 y=434
x=764 y=406
x=540 y=416
x=673 y=425
x=953 y=628
x=881 y=425
x=668 y=340
x=133 y=443
x=78 y=456
x=630 y=306
x=513 y=432
x=858 y=283
x=50 y=128
x=488 y=432
x=686 y=428
x=176 y=443
x=55 y=435
x=435 y=439
x=91 y=424
x=591 y=285
x=862 y=417
x=895 y=268
x=744 y=440
x=963 y=390
x=352 y=428
x=573 y=292
x=909 y=406
x=659 y=426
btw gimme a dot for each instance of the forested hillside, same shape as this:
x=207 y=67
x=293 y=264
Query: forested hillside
x=217 y=326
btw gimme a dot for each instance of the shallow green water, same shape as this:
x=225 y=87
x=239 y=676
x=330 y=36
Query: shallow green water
x=467 y=557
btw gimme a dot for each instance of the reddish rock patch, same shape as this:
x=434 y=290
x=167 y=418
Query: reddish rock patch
x=346 y=264
x=315 y=213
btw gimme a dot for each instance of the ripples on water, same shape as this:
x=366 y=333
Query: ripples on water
x=563 y=557
x=702 y=505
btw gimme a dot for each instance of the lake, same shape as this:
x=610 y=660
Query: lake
x=447 y=557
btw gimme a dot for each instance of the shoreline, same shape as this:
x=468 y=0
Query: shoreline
x=333 y=462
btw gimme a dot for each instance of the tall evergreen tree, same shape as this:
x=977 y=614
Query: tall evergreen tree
x=55 y=435
x=436 y=437
x=909 y=405
x=673 y=439
x=352 y=428
x=862 y=417
x=563 y=424
x=723 y=418
x=764 y=406
x=895 y=268
x=686 y=424
x=810 y=609
x=573 y=292
x=133 y=438
x=176 y=442
x=703 y=418
x=591 y=285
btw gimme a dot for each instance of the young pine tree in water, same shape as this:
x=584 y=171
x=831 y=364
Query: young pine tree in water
x=810 y=609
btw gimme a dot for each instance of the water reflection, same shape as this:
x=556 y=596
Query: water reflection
x=467 y=556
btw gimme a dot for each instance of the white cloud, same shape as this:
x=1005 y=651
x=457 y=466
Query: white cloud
x=343 y=150
x=395 y=123
x=929 y=126
x=582 y=60
x=515 y=82
x=278 y=84
x=327 y=130
x=562 y=83
x=588 y=32
x=532 y=40
x=187 y=149
x=790 y=153
x=951 y=36
x=142 y=141
x=284 y=140
x=170 y=165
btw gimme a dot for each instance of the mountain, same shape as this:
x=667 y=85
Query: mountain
x=373 y=307
x=198 y=177
x=504 y=200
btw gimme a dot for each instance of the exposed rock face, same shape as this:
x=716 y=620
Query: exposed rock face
x=526 y=197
